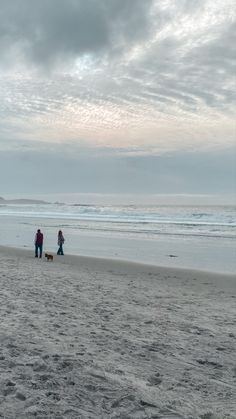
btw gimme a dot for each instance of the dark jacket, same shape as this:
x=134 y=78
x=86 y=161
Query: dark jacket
x=60 y=240
x=39 y=238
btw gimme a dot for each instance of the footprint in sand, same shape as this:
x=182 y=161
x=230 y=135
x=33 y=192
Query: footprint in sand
x=8 y=390
x=155 y=380
x=20 y=396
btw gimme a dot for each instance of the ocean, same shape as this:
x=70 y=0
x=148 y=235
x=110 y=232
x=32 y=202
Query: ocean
x=201 y=237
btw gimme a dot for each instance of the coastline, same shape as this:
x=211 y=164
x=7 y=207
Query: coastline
x=207 y=254
x=124 y=264
x=184 y=237
x=98 y=338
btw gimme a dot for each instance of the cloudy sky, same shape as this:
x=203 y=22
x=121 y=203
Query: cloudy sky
x=117 y=96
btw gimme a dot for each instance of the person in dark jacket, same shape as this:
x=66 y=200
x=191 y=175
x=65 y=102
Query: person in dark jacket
x=38 y=243
x=60 y=242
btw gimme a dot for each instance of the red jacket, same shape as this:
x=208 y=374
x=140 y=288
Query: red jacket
x=39 y=238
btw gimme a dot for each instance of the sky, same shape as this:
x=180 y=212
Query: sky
x=117 y=97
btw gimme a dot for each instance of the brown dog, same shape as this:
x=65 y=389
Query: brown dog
x=49 y=257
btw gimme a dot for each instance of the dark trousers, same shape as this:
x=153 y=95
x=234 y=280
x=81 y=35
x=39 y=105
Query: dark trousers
x=38 y=250
x=60 y=250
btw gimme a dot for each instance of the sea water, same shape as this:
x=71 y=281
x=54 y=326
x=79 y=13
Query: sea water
x=201 y=237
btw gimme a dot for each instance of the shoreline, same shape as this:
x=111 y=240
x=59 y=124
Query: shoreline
x=133 y=244
x=118 y=263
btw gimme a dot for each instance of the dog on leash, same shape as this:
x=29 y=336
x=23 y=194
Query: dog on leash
x=49 y=257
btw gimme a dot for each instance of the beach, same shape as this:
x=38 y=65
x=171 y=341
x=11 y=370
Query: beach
x=89 y=338
x=192 y=237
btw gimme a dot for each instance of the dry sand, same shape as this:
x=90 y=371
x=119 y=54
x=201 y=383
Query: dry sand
x=90 y=338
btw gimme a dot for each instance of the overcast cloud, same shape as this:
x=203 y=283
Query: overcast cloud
x=130 y=78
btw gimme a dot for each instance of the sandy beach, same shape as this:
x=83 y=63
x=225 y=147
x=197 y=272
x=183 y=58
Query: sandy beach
x=94 y=338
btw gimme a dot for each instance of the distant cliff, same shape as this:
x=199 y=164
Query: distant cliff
x=22 y=201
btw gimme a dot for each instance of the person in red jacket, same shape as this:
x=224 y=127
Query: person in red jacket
x=38 y=243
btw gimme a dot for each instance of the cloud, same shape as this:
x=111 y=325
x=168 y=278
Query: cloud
x=47 y=32
x=143 y=76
